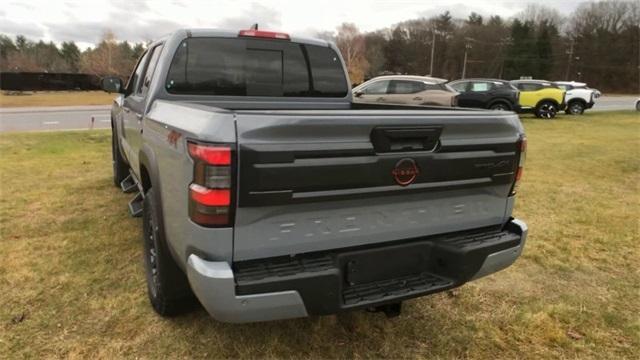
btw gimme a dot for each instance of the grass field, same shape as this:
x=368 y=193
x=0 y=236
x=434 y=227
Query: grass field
x=56 y=98
x=72 y=283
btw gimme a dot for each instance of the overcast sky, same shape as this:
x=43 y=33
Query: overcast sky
x=138 y=20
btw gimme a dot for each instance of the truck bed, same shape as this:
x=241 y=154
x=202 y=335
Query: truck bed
x=312 y=180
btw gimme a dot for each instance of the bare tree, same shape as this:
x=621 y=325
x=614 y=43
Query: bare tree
x=352 y=46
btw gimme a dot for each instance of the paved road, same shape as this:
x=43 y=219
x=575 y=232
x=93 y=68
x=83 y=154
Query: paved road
x=609 y=103
x=79 y=117
x=54 y=118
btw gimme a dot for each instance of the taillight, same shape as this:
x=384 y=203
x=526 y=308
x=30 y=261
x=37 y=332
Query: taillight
x=264 y=34
x=521 y=153
x=211 y=192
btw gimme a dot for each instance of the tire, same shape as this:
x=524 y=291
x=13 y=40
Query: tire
x=575 y=108
x=120 y=167
x=546 y=110
x=500 y=106
x=167 y=286
x=637 y=105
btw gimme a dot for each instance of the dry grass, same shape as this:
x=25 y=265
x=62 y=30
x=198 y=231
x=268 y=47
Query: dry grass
x=55 y=98
x=72 y=282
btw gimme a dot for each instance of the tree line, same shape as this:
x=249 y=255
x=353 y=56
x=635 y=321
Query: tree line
x=109 y=57
x=598 y=43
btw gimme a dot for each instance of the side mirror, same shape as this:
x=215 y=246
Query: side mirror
x=112 y=84
x=358 y=93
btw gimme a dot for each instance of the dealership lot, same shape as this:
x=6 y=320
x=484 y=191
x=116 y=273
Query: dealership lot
x=79 y=117
x=74 y=285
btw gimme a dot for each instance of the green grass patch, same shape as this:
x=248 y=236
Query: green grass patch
x=55 y=98
x=72 y=282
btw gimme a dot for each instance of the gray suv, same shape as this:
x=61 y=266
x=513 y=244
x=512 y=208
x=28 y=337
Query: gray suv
x=406 y=90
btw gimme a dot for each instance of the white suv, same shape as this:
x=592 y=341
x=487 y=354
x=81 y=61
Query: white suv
x=578 y=96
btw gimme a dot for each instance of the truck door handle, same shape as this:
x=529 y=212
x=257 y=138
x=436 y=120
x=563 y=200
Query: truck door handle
x=410 y=138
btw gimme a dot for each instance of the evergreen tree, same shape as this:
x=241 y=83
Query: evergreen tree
x=521 y=54
x=544 y=49
x=71 y=55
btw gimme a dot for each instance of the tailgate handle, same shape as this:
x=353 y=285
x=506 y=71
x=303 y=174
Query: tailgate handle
x=395 y=139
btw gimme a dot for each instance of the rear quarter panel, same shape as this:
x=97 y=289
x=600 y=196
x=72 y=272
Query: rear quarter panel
x=168 y=126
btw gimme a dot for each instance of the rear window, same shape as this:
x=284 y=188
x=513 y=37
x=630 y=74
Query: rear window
x=253 y=67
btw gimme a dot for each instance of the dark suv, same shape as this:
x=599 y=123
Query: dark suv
x=486 y=94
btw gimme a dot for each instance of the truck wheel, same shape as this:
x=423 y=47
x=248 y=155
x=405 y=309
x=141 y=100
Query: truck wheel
x=575 y=108
x=500 y=106
x=167 y=285
x=546 y=110
x=120 y=168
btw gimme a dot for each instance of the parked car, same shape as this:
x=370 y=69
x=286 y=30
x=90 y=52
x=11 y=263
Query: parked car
x=577 y=96
x=267 y=193
x=406 y=90
x=486 y=94
x=541 y=97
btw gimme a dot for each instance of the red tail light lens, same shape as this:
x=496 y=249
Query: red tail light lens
x=264 y=34
x=212 y=155
x=521 y=153
x=210 y=197
x=211 y=192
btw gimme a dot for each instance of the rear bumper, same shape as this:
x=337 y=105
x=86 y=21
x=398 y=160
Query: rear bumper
x=330 y=282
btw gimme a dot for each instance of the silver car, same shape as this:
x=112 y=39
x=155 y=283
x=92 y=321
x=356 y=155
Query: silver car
x=406 y=90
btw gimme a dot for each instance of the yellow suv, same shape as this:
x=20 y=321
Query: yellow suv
x=541 y=97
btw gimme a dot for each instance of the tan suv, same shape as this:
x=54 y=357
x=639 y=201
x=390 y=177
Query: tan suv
x=406 y=89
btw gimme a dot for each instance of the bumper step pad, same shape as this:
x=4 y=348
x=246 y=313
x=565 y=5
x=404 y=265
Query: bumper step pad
x=393 y=288
x=129 y=185
x=135 y=205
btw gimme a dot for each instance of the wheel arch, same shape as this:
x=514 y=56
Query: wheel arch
x=554 y=101
x=116 y=137
x=150 y=177
x=148 y=169
x=500 y=101
x=580 y=100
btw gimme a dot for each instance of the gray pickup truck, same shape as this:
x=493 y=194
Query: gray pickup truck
x=267 y=193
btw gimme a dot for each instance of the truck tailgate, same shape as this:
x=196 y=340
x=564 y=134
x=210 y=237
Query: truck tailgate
x=311 y=181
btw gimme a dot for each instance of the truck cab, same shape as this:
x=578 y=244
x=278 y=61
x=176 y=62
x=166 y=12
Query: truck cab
x=266 y=193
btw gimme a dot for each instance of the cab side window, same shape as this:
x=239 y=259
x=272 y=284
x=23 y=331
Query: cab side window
x=460 y=87
x=377 y=88
x=405 y=87
x=529 y=87
x=148 y=75
x=134 y=83
x=481 y=86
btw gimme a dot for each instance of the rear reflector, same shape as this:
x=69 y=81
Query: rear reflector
x=264 y=34
x=211 y=155
x=522 y=155
x=210 y=197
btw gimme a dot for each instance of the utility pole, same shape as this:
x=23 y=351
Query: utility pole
x=570 y=53
x=467 y=46
x=433 y=52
